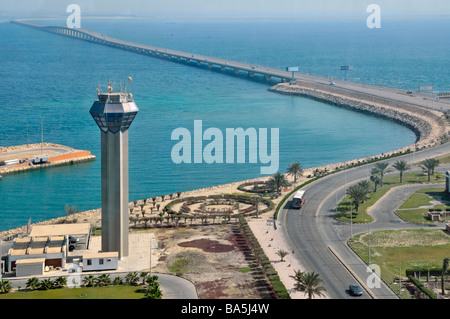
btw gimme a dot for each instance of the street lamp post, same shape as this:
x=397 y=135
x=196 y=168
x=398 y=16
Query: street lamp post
x=368 y=226
x=351 y=220
x=399 y=272
x=150 y=269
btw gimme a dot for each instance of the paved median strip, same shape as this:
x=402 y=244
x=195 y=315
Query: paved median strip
x=352 y=273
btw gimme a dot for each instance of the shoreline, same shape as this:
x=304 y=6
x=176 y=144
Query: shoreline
x=429 y=134
x=428 y=125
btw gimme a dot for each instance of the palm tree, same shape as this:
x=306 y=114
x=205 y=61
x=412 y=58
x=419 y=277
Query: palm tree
x=60 y=282
x=358 y=194
x=5 y=286
x=375 y=177
x=103 y=280
x=132 y=278
x=401 y=166
x=117 y=281
x=152 y=280
x=429 y=165
x=89 y=281
x=295 y=169
x=33 y=283
x=154 y=292
x=277 y=181
x=144 y=276
x=365 y=184
x=46 y=284
x=282 y=254
x=298 y=279
x=444 y=272
x=309 y=283
x=382 y=168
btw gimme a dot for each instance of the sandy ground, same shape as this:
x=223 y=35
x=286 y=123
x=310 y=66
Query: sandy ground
x=215 y=258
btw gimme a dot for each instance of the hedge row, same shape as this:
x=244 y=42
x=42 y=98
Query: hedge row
x=274 y=279
x=424 y=271
x=421 y=287
x=240 y=198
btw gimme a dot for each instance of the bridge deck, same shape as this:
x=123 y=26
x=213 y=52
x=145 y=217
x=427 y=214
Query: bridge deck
x=427 y=100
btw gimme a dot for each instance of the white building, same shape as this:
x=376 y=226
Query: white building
x=99 y=261
x=30 y=267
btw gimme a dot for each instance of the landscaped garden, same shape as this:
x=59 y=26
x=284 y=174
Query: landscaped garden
x=398 y=251
x=360 y=197
x=417 y=206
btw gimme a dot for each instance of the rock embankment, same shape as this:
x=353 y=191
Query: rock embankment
x=428 y=125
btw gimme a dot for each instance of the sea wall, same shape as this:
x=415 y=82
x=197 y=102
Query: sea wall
x=428 y=125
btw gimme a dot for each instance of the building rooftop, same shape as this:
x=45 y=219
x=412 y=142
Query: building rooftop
x=38 y=246
x=60 y=230
x=30 y=261
x=100 y=254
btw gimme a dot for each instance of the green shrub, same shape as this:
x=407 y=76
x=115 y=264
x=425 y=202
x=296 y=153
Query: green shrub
x=422 y=288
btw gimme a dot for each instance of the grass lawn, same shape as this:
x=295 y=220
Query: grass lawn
x=443 y=159
x=414 y=249
x=343 y=209
x=109 y=292
x=410 y=210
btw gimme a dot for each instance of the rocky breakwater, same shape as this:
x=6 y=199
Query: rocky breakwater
x=428 y=125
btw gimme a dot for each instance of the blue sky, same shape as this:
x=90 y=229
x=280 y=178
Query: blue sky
x=227 y=8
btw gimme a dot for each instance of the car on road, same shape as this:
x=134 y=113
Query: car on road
x=355 y=290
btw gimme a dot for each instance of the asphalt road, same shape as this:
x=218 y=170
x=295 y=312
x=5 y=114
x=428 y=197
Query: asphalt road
x=312 y=230
x=172 y=287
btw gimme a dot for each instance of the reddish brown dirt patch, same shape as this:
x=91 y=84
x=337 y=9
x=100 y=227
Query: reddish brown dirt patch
x=207 y=245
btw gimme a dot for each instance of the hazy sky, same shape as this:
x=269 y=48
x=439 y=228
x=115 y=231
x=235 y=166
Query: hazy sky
x=227 y=8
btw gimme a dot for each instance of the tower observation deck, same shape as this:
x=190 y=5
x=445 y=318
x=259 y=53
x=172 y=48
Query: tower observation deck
x=114 y=112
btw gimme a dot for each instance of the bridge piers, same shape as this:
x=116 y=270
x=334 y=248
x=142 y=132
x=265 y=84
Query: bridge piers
x=187 y=58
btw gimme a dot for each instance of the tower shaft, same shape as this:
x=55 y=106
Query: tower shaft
x=114 y=175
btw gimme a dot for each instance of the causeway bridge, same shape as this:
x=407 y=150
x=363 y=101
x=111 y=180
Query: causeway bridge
x=173 y=55
x=428 y=100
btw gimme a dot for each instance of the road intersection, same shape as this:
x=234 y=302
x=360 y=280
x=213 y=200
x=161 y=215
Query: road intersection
x=320 y=241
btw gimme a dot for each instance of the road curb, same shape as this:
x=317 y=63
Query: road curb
x=352 y=273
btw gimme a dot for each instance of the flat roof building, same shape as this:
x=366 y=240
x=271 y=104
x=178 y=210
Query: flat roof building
x=80 y=230
x=52 y=250
x=99 y=261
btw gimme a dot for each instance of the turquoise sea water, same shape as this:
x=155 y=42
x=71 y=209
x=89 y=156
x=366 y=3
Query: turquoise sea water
x=56 y=77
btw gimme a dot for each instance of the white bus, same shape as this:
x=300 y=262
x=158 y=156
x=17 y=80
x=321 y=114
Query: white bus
x=299 y=199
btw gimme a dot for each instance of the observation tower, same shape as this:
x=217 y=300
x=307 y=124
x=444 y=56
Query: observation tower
x=114 y=112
